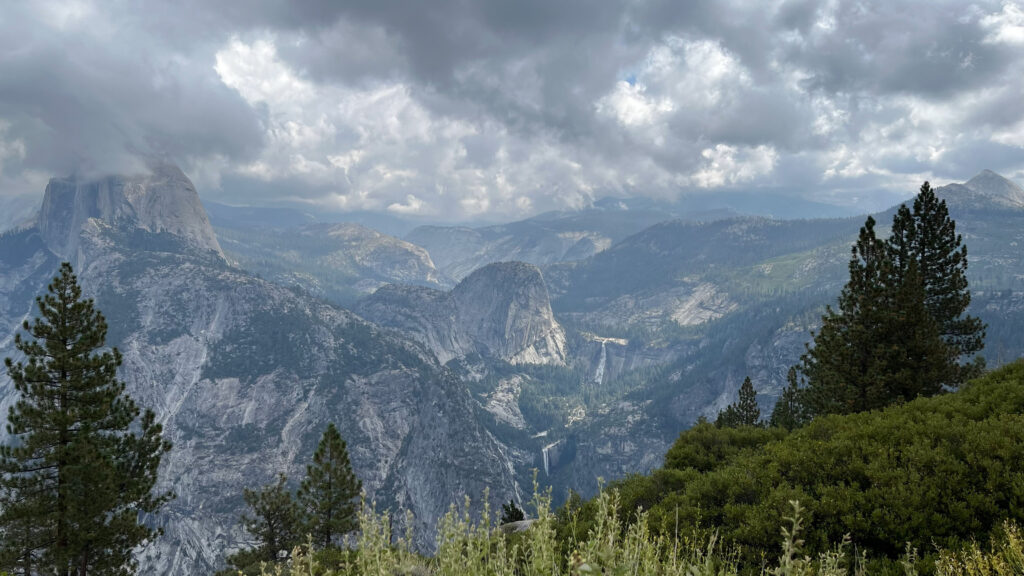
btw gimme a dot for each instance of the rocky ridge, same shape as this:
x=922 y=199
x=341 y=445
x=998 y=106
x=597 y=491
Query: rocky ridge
x=244 y=374
x=501 y=311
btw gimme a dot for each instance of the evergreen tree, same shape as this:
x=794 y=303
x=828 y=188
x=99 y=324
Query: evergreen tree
x=882 y=345
x=275 y=523
x=789 y=412
x=511 y=513
x=927 y=237
x=744 y=412
x=74 y=479
x=327 y=496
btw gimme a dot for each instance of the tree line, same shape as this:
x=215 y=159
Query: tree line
x=899 y=331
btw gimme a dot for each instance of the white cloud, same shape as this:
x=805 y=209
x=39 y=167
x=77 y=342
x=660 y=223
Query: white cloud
x=727 y=165
x=1006 y=26
x=10 y=148
x=412 y=205
x=372 y=144
x=630 y=105
x=473 y=115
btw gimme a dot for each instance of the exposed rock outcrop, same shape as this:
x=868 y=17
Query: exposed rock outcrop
x=164 y=201
x=501 y=311
x=245 y=374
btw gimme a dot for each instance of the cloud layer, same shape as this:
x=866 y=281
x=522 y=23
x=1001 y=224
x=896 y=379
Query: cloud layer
x=498 y=109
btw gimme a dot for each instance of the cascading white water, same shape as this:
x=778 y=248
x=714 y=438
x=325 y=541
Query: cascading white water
x=547 y=457
x=599 y=373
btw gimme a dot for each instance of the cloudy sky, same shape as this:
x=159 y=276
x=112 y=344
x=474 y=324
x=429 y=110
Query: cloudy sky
x=469 y=109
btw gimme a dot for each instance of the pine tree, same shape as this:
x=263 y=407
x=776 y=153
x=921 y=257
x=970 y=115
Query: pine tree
x=328 y=494
x=881 y=346
x=75 y=479
x=511 y=513
x=927 y=237
x=275 y=523
x=744 y=412
x=789 y=412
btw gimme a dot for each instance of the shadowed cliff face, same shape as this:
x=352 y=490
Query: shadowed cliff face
x=164 y=201
x=501 y=311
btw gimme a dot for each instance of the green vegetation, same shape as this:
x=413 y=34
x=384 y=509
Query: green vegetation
x=511 y=513
x=900 y=331
x=81 y=466
x=744 y=412
x=323 y=508
x=925 y=241
x=612 y=546
x=936 y=471
x=327 y=494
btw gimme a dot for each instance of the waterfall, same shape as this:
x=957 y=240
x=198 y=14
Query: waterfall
x=599 y=373
x=546 y=452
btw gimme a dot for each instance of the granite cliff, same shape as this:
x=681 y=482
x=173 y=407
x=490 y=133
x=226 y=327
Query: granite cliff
x=501 y=311
x=244 y=374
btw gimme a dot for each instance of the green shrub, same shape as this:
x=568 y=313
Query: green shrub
x=940 y=471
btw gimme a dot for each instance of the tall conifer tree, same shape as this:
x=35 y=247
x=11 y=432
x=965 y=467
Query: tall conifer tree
x=882 y=345
x=74 y=478
x=743 y=412
x=926 y=236
x=789 y=412
x=329 y=492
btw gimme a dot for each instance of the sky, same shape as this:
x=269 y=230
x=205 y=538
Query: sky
x=458 y=110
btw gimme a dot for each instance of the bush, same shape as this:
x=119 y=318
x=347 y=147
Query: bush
x=939 y=471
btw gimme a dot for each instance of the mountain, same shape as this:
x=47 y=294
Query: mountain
x=541 y=240
x=700 y=306
x=162 y=202
x=685 y=273
x=340 y=262
x=226 y=216
x=244 y=374
x=1003 y=191
x=586 y=366
x=578 y=234
x=501 y=311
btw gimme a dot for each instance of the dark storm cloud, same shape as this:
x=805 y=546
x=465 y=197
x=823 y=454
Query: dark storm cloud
x=471 y=107
x=86 y=95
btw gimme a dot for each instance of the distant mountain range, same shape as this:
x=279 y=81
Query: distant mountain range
x=458 y=368
x=244 y=373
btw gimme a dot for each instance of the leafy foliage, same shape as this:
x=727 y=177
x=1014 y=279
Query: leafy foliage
x=926 y=238
x=789 y=411
x=612 y=546
x=82 y=464
x=881 y=346
x=900 y=330
x=934 y=471
x=322 y=510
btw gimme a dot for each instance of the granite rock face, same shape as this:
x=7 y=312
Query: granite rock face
x=164 y=201
x=501 y=311
x=245 y=374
